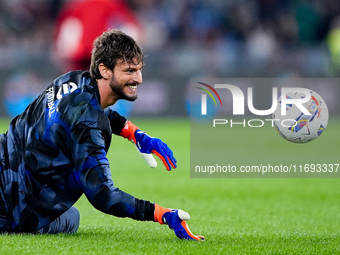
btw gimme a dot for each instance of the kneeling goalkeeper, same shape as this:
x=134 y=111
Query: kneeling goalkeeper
x=55 y=151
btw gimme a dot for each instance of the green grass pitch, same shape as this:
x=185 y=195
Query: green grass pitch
x=237 y=216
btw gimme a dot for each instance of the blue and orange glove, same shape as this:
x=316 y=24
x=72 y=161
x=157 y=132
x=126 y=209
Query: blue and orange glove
x=147 y=145
x=176 y=220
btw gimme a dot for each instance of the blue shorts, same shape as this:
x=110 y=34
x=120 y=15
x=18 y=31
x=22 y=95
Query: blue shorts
x=68 y=223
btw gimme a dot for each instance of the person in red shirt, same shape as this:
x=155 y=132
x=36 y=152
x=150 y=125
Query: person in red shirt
x=81 y=21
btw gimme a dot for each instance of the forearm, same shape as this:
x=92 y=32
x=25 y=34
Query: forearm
x=114 y=201
x=117 y=121
x=99 y=189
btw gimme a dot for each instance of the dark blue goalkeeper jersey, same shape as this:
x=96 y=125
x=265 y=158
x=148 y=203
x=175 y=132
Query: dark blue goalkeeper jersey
x=56 y=150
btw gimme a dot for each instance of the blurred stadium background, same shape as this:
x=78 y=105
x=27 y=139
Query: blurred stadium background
x=183 y=39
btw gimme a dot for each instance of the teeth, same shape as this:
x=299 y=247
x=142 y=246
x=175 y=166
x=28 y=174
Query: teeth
x=132 y=86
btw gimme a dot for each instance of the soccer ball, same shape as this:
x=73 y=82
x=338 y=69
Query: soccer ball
x=297 y=127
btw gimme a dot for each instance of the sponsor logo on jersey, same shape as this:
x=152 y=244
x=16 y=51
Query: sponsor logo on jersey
x=65 y=89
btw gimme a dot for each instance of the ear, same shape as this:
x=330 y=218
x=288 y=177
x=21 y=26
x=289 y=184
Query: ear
x=105 y=71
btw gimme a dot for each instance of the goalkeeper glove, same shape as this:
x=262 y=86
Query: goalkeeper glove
x=146 y=145
x=176 y=220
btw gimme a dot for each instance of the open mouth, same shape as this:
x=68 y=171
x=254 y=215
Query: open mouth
x=132 y=86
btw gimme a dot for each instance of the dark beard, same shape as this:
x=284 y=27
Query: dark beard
x=119 y=90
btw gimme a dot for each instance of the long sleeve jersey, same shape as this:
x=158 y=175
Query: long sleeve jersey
x=56 y=150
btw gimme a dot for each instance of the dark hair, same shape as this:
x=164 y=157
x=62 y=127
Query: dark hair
x=111 y=46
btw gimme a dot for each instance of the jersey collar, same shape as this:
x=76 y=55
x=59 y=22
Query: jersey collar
x=96 y=90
